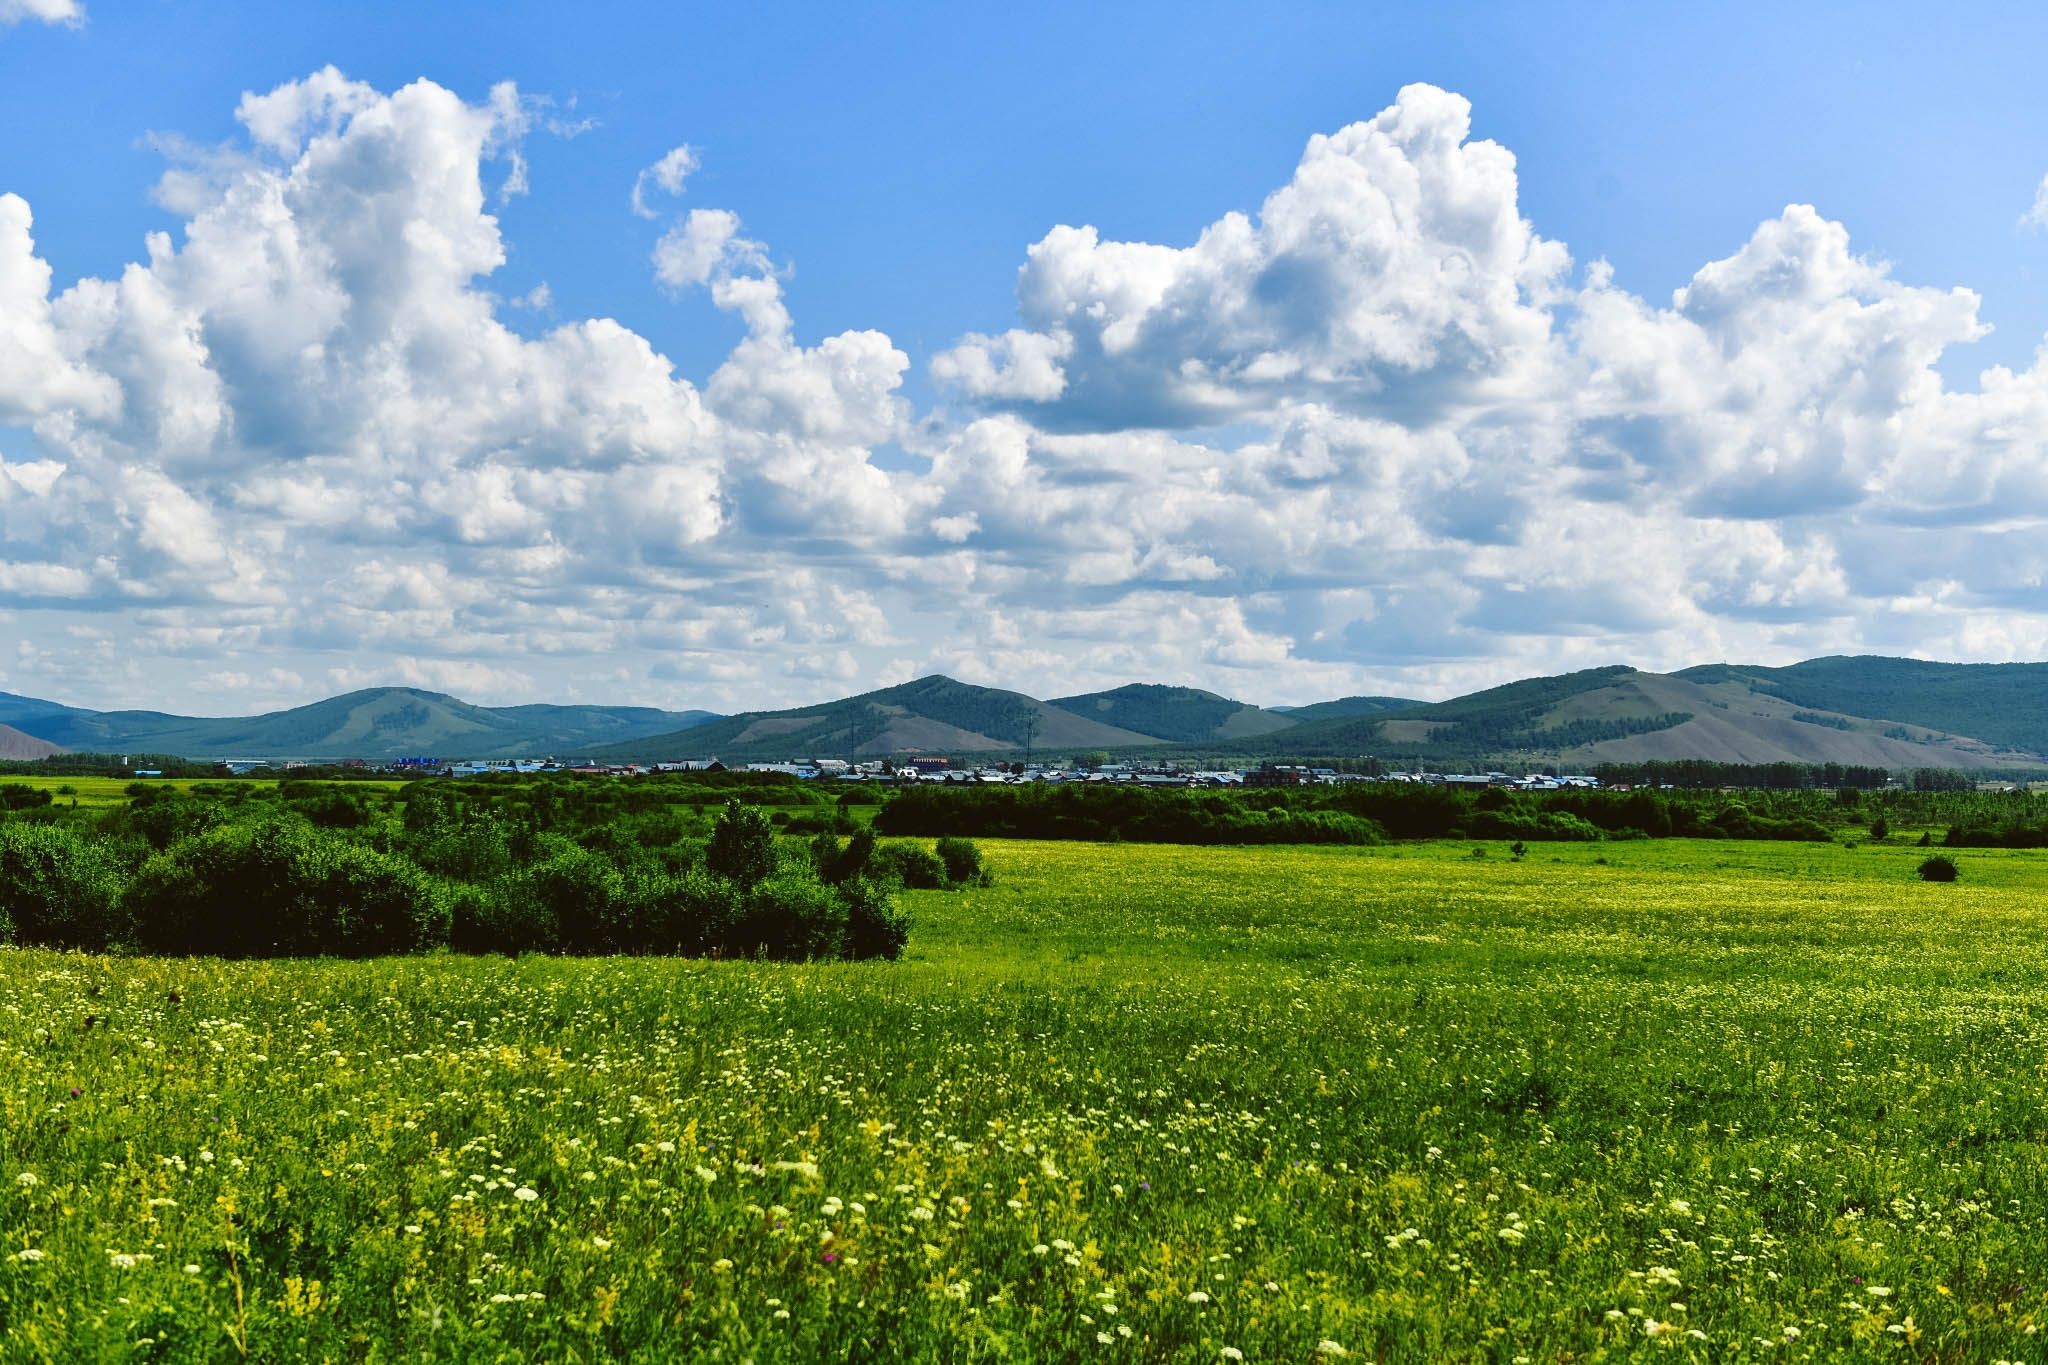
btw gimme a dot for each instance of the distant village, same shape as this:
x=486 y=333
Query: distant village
x=943 y=770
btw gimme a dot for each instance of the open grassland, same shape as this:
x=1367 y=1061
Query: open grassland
x=113 y=791
x=1704 y=1101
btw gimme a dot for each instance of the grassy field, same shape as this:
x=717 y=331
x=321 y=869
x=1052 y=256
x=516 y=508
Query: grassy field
x=113 y=791
x=1639 y=1100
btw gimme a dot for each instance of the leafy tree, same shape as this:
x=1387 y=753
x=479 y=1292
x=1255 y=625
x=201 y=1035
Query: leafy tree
x=742 y=848
x=280 y=888
x=58 y=889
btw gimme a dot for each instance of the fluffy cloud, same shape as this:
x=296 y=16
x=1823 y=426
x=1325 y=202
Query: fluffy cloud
x=41 y=11
x=1380 y=435
x=666 y=175
x=1393 y=273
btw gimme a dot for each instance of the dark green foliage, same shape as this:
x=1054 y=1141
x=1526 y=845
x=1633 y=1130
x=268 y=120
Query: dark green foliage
x=838 y=865
x=1879 y=830
x=1354 y=813
x=1700 y=773
x=283 y=889
x=911 y=866
x=1103 y=811
x=161 y=817
x=324 y=805
x=875 y=925
x=962 y=861
x=20 y=796
x=58 y=889
x=1939 y=868
x=787 y=916
x=742 y=848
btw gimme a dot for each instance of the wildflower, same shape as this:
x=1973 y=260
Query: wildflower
x=1326 y=1347
x=1231 y=1353
x=525 y=1195
x=29 y=1255
x=28 y=1180
x=1198 y=1296
x=721 y=1265
x=191 y=1270
x=1105 y=1338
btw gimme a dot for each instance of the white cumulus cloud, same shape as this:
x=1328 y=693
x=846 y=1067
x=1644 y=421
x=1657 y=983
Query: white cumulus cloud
x=1379 y=435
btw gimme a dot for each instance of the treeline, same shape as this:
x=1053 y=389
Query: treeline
x=1698 y=773
x=1114 y=812
x=311 y=869
x=1354 y=813
x=109 y=765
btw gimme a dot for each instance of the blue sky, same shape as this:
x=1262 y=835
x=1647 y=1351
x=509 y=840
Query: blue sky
x=886 y=173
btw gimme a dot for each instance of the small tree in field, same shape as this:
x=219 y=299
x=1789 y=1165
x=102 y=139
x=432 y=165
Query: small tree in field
x=1939 y=868
x=1879 y=830
x=742 y=848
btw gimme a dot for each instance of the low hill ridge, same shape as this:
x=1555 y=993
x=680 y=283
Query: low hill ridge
x=373 y=723
x=1182 y=715
x=929 y=715
x=1850 y=710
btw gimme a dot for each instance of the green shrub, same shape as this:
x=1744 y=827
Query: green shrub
x=857 y=859
x=875 y=925
x=499 y=916
x=742 y=848
x=58 y=889
x=787 y=916
x=910 y=865
x=962 y=861
x=1939 y=868
x=284 y=889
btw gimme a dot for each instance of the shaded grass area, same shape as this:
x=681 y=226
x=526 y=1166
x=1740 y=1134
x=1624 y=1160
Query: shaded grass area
x=1130 y=1101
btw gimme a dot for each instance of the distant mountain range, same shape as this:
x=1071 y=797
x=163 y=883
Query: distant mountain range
x=1868 y=711
x=1891 y=713
x=381 y=723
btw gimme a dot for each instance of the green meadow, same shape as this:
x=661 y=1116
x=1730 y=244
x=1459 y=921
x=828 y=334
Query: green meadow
x=1624 y=1100
x=107 y=792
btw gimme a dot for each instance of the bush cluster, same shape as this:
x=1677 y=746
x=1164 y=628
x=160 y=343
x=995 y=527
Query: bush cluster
x=1105 y=812
x=315 y=876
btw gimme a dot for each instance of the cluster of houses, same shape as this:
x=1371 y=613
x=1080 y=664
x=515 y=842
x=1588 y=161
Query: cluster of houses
x=942 y=770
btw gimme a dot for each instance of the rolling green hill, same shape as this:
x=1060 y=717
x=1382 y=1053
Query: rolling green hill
x=2005 y=705
x=1346 y=706
x=1180 y=714
x=380 y=723
x=1619 y=715
x=934 y=715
